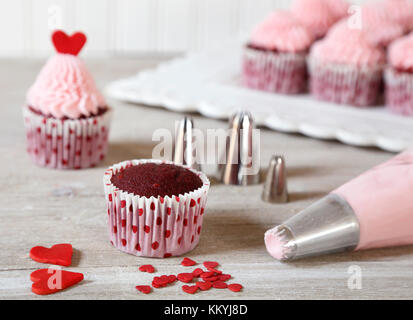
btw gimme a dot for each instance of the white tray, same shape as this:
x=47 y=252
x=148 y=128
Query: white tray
x=209 y=83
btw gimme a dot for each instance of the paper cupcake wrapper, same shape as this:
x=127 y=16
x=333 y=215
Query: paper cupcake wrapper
x=274 y=71
x=154 y=227
x=66 y=144
x=399 y=91
x=344 y=84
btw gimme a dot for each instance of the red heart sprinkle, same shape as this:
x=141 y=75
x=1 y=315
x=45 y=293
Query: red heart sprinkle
x=197 y=272
x=60 y=254
x=212 y=279
x=47 y=281
x=224 y=277
x=204 y=285
x=171 y=278
x=144 y=289
x=190 y=289
x=214 y=270
x=192 y=203
x=185 y=277
x=186 y=262
x=207 y=274
x=147 y=229
x=147 y=268
x=211 y=264
x=68 y=44
x=159 y=282
x=219 y=285
x=235 y=287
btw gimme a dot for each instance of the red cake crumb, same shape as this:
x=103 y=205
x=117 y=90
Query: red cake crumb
x=152 y=179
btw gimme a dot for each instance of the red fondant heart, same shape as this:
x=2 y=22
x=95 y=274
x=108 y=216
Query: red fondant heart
x=60 y=254
x=68 y=44
x=185 y=277
x=47 y=281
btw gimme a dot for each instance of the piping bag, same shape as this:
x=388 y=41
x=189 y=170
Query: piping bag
x=373 y=210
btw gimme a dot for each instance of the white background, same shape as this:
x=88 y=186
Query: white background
x=129 y=27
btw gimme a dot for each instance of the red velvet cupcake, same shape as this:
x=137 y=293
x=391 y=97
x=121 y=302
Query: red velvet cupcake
x=155 y=208
x=274 y=60
x=66 y=118
x=346 y=68
x=399 y=76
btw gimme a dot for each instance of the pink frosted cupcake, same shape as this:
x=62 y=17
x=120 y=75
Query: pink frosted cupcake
x=66 y=118
x=346 y=68
x=378 y=26
x=319 y=15
x=155 y=208
x=400 y=11
x=274 y=59
x=399 y=76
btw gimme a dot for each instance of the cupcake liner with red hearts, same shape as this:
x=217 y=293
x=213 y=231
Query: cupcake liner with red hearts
x=345 y=84
x=154 y=227
x=66 y=144
x=274 y=71
x=399 y=91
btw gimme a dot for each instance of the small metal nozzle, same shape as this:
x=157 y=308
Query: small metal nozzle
x=275 y=186
x=240 y=164
x=185 y=144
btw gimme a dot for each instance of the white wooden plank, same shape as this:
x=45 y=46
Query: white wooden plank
x=135 y=29
x=94 y=19
x=11 y=28
x=174 y=25
x=47 y=16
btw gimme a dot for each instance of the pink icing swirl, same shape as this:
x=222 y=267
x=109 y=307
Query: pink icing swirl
x=318 y=15
x=65 y=88
x=349 y=47
x=401 y=53
x=401 y=12
x=281 y=31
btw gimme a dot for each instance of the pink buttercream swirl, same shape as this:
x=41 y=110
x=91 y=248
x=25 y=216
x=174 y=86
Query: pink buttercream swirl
x=401 y=53
x=318 y=15
x=281 y=31
x=348 y=46
x=65 y=88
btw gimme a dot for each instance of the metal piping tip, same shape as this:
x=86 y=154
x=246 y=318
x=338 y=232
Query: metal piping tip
x=275 y=186
x=329 y=225
x=241 y=161
x=185 y=144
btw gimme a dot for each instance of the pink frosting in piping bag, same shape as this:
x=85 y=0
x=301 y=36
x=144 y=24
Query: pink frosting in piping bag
x=382 y=199
x=65 y=88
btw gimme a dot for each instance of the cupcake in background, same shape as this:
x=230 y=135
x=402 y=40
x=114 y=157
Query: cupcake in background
x=346 y=68
x=275 y=58
x=66 y=118
x=400 y=11
x=399 y=76
x=319 y=15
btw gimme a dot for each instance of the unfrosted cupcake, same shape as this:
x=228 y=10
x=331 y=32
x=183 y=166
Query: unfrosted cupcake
x=399 y=76
x=155 y=208
x=346 y=68
x=274 y=59
x=66 y=118
x=319 y=15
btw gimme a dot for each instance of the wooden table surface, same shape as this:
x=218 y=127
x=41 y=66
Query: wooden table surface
x=44 y=207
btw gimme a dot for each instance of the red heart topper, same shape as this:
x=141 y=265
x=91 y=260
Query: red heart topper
x=47 y=281
x=60 y=254
x=68 y=44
